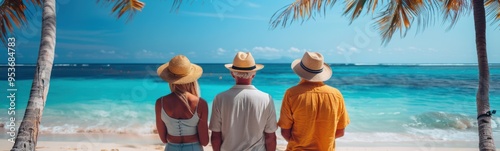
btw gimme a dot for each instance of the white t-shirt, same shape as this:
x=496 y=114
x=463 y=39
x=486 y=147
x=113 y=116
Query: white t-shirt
x=243 y=114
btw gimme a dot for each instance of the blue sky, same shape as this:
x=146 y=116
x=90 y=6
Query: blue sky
x=88 y=33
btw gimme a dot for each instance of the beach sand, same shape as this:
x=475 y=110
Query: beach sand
x=78 y=146
x=126 y=142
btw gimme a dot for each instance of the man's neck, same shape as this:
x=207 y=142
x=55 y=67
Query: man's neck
x=243 y=83
x=305 y=81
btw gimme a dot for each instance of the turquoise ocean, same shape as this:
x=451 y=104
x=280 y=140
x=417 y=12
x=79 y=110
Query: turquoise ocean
x=387 y=103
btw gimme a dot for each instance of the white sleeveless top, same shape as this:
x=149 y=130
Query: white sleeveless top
x=180 y=127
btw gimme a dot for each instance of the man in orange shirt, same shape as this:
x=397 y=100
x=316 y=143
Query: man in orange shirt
x=313 y=114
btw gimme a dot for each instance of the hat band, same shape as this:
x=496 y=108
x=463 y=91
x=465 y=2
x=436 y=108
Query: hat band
x=181 y=75
x=310 y=70
x=243 y=68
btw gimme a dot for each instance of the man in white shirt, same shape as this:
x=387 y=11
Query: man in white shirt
x=243 y=118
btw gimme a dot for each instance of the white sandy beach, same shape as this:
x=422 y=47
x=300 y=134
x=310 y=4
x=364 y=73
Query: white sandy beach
x=125 y=142
x=85 y=146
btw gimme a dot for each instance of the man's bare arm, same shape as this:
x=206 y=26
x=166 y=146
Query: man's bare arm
x=287 y=134
x=270 y=141
x=339 y=133
x=216 y=140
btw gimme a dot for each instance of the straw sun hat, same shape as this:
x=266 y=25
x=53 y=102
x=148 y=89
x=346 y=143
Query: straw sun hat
x=179 y=70
x=312 y=67
x=244 y=62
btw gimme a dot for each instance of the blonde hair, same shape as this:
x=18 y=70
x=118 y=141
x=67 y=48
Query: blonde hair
x=180 y=89
x=243 y=75
x=192 y=88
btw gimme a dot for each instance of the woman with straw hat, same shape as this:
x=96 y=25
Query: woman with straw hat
x=181 y=116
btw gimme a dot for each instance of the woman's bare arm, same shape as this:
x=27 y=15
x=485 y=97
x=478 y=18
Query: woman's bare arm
x=203 y=123
x=160 y=126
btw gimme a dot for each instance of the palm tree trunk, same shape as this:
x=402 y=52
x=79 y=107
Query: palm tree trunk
x=486 y=142
x=28 y=130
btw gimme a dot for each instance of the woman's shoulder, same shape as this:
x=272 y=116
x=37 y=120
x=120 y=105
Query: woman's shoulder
x=197 y=100
x=161 y=98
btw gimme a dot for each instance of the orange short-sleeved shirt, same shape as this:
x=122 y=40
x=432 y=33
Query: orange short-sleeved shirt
x=314 y=111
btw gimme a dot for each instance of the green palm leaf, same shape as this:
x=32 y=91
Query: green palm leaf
x=398 y=16
x=299 y=9
x=493 y=10
x=122 y=7
x=13 y=14
x=355 y=7
x=453 y=9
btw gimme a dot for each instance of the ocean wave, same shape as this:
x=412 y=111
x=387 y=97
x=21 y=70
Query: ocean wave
x=444 y=135
x=144 y=129
x=414 y=135
x=65 y=65
x=371 y=137
x=442 y=120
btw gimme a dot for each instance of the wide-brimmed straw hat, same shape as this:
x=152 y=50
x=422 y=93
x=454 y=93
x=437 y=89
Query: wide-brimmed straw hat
x=244 y=62
x=179 y=70
x=312 y=67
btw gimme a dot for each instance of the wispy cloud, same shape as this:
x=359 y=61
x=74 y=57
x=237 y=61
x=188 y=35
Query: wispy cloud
x=341 y=49
x=221 y=51
x=253 y=5
x=97 y=55
x=142 y=55
x=223 y=16
x=293 y=49
x=266 y=50
x=107 y=52
x=148 y=54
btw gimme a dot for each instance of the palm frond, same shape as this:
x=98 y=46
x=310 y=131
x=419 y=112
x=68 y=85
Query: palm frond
x=300 y=9
x=398 y=15
x=493 y=10
x=122 y=7
x=36 y=2
x=13 y=13
x=176 y=5
x=453 y=9
x=355 y=7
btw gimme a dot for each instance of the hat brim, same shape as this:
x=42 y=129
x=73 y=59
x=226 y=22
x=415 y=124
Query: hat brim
x=314 y=77
x=165 y=74
x=257 y=67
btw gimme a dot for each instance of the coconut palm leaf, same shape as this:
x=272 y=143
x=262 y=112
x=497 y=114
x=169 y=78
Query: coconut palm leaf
x=398 y=16
x=299 y=9
x=355 y=7
x=176 y=5
x=453 y=9
x=493 y=10
x=121 y=7
x=13 y=13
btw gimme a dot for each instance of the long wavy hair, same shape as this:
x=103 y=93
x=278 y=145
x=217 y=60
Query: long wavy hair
x=181 y=89
x=192 y=88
